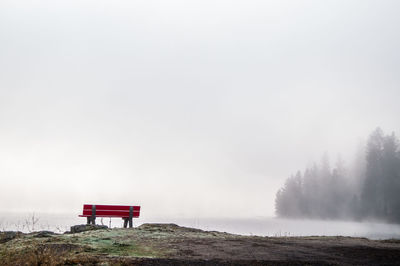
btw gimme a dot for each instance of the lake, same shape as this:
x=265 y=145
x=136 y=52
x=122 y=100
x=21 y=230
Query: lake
x=262 y=226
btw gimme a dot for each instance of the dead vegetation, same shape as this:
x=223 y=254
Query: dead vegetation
x=169 y=244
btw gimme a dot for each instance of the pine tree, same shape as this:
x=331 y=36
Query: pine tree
x=371 y=197
x=390 y=177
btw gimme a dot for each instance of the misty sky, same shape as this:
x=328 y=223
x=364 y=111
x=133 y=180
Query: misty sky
x=189 y=108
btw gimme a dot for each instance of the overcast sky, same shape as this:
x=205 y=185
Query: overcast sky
x=189 y=108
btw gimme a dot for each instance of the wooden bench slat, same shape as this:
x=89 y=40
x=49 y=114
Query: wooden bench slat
x=112 y=213
x=110 y=216
x=111 y=207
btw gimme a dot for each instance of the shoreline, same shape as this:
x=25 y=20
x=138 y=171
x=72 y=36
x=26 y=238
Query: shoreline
x=258 y=226
x=170 y=244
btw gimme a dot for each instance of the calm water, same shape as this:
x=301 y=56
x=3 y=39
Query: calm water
x=260 y=226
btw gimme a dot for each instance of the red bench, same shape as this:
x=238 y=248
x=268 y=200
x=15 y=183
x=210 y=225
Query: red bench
x=124 y=212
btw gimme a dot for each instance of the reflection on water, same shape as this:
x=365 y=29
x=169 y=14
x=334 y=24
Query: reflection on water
x=261 y=226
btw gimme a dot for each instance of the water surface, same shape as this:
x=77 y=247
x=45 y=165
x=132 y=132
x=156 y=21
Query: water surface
x=61 y=222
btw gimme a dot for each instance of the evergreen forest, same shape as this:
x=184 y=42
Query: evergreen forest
x=370 y=189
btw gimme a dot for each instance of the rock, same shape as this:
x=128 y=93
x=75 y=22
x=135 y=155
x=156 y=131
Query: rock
x=9 y=235
x=153 y=227
x=43 y=234
x=86 y=227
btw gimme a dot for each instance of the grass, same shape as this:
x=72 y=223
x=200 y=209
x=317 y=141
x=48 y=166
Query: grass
x=117 y=242
x=57 y=249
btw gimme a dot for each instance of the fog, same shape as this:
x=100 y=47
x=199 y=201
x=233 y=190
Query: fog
x=366 y=190
x=187 y=108
x=272 y=227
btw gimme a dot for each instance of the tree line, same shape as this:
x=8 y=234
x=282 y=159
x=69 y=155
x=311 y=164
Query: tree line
x=370 y=190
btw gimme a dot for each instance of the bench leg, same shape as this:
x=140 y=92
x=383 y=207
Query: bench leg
x=125 y=222
x=91 y=220
x=130 y=222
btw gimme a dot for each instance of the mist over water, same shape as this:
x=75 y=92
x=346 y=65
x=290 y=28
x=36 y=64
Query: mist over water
x=272 y=227
x=197 y=109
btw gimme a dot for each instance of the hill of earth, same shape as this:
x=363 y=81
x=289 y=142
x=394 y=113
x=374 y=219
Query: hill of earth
x=170 y=244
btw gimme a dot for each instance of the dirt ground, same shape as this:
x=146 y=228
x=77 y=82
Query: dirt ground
x=169 y=244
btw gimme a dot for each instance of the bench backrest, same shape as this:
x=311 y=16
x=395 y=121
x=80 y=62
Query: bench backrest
x=111 y=211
